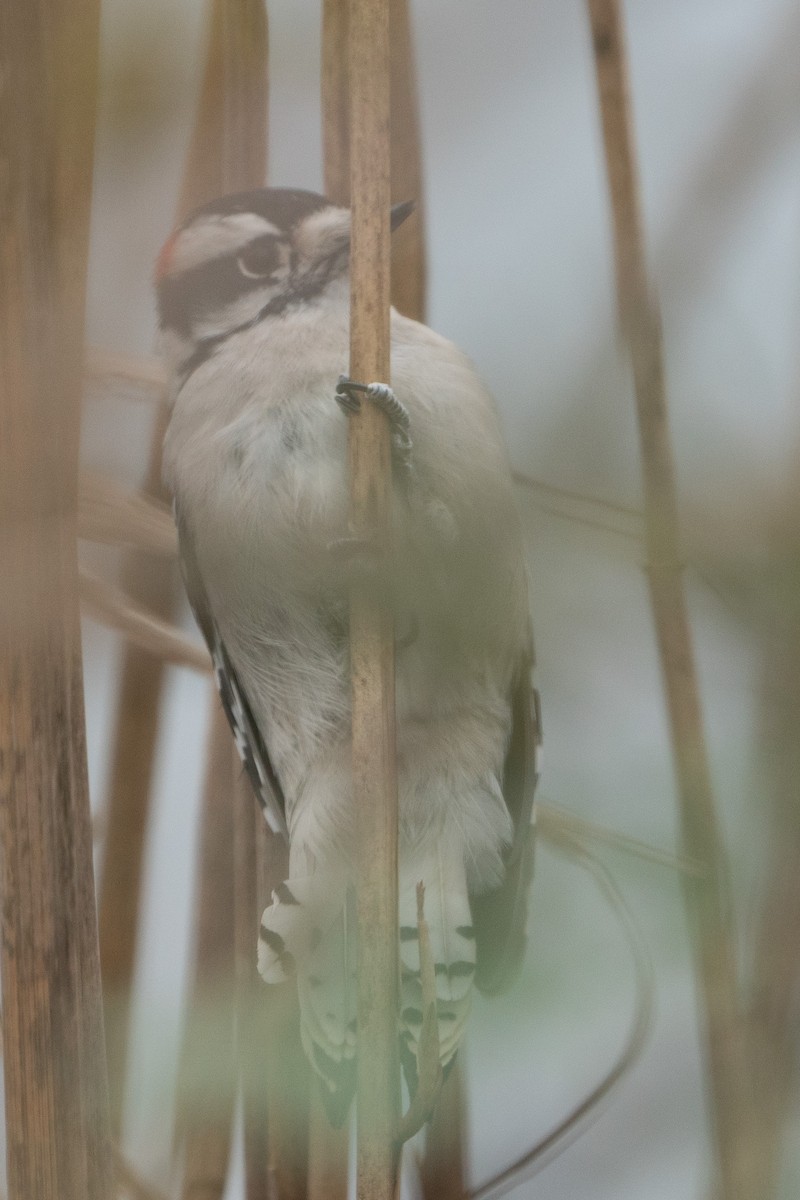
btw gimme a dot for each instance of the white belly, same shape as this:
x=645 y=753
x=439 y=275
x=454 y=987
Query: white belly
x=256 y=456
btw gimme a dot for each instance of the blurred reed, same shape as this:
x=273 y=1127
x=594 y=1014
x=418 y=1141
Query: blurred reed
x=707 y=899
x=151 y=583
x=227 y=152
x=56 y=1097
x=774 y=963
x=371 y=641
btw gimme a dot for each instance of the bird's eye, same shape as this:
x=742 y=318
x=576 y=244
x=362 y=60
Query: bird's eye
x=259 y=259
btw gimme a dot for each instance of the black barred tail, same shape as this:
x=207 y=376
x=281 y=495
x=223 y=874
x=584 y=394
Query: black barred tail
x=309 y=931
x=302 y=910
x=306 y=932
x=447 y=913
x=327 y=992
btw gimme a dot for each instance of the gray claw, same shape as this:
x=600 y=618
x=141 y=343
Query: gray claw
x=384 y=398
x=345 y=398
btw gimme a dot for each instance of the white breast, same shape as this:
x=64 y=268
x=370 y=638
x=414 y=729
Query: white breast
x=256 y=451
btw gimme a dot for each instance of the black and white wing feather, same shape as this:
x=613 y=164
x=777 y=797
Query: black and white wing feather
x=500 y=916
x=246 y=733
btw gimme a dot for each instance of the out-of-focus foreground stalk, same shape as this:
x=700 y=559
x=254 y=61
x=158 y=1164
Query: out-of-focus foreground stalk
x=228 y=152
x=56 y=1097
x=775 y=963
x=707 y=900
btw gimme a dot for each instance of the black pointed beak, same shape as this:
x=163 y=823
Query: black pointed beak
x=400 y=212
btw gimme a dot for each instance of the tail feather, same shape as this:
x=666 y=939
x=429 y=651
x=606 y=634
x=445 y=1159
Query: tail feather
x=302 y=910
x=326 y=988
x=447 y=913
x=309 y=930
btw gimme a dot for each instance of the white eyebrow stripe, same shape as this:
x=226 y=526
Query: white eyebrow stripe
x=214 y=235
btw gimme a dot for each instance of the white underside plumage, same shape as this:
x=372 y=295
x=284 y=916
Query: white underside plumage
x=259 y=416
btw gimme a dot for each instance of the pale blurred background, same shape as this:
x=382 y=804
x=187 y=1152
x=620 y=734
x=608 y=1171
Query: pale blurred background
x=521 y=276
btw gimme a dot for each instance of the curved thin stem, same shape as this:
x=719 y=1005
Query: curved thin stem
x=549 y=1147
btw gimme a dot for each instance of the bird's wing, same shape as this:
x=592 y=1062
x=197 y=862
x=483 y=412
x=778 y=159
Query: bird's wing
x=248 y=737
x=499 y=916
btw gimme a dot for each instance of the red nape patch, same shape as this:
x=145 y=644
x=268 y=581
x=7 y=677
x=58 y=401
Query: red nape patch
x=164 y=260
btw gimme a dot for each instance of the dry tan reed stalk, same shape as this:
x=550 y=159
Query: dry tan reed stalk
x=148 y=634
x=556 y=821
x=776 y=961
x=706 y=896
x=207 y=1078
x=228 y=149
x=56 y=1103
x=108 y=513
x=273 y=1070
x=143 y=377
x=151 y=586
x=371 y=633
x=408 y=250
x=442 y=1166
x=251 y=1024
x=776 y=968
x=228 y=153
x=409 y=265
x=328 y=1151
x=336 y=99
x=408 y=243
x=275 y=1075
x=286 y=1079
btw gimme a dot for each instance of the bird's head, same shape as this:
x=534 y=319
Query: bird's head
x=249 y=256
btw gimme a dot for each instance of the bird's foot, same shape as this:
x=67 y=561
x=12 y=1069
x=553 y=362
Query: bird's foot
x=382 y=396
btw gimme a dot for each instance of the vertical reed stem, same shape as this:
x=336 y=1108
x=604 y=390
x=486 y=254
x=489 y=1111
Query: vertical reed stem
x=152 y=584
x=706 y=897
x=776 y=960
x=228 y=148
x=442 y=1167
x=286 y=1078
x=272 y=1067
x=328 y=1152
x=207 y=1095
x=371 y=633
x=227 y=152
x=409 y=266
x=56 y=1100
x=251 y=1024
x=335 y=86
x=328 y=1149
x=408 y=243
